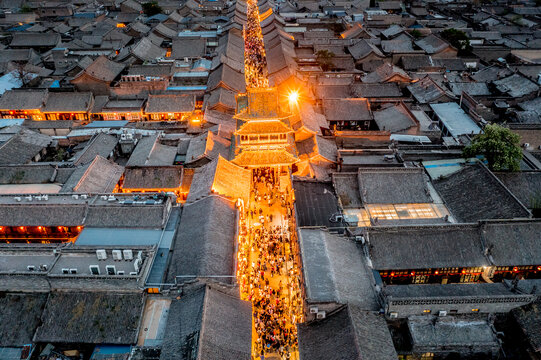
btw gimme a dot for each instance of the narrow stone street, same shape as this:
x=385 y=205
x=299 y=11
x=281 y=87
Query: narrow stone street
x=268 y=273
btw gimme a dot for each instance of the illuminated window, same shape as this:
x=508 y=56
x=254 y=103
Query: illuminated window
x=427 y=311
x=475 y=310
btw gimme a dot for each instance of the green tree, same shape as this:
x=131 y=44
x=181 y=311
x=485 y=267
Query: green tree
x=25 y=9
x=152 y=8
x=415 y=33
x=499 y=145
x=458 y=39
x=324 y=59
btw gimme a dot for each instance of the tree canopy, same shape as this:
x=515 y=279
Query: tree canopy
x=499 y=145
x=324 y=59
x=458 y=39
x=151 y=8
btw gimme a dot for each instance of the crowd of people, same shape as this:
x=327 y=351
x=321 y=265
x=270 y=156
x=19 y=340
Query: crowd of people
x=266 y=272
x=255 y=60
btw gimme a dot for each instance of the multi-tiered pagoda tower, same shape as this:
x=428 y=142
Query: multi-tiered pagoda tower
x=264 y=136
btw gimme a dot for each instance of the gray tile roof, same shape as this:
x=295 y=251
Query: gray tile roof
x=474 y=193
x=349 y=333
x=432 y=44
x=19 y=318
x=525 y=185
x=205 y=240
x=393 y=186
x=104 y=69
x=100 y=176
x=101 y=144
x=68 y=102
x=516 y=86
x=23 y=99
x=395 y=119
x=91 y=318
x=424 y=247
x=207 y=323
x=153 y=177
x=514 y=243
x=170 y=103
x=334 y=270
x=190 y=48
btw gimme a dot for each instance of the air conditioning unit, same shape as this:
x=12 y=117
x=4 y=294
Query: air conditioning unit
x=359 y=238
x=137 y=265
x=104 y=197
x=18 y=198
x=94 y=269
x=111 y=198
x=31 y=268
x=313 y=309
x=133 y=273
x=75 y=196
x=442 y=313
x=526 y=145
x=44 y=267
x=120 y=272
x=38 y=197
x=73 y=271
x=111 y=270
x=393 y=315
x=117 y=254
x=101 y=254
x=128 y=254
x=29 y=198
x=45 y=197
x=388 y=157
x=65 y=271
x=84 y=196
x=320 y=315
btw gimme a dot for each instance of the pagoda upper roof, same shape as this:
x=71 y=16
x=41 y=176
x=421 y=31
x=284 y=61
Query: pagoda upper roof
x=258 y=158
x=274 y=126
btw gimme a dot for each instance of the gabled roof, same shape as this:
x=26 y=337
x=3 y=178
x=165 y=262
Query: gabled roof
x=395 y=118
x=205 y=240
x=220 y=177
x=346 y=109
x=427 y=91
x=432 y=44
x=103 y=69
x=170 y=103
x=23 y=99
x=350 y=333
x=221 y=321
x=423 y=247
x=363 y=48
x=19 y=318
x=68 y=102
x=393 y=186
x=100 y=144
x=91 y=318
x=227 y=77
x=188 y=47
x=100 y=176
x=471 y=193
x=316 y=146
x=516 y=86
x=513 y=243
x=36 y=40
x=207 y=145
x=334 y=270
x=146 y=50
x=386 y=72
x=153 y=177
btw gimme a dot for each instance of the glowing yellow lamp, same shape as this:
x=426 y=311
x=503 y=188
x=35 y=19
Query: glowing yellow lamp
x=293 y=97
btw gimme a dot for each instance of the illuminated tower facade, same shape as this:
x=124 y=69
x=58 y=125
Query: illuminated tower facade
x=264 y=136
